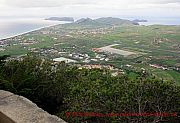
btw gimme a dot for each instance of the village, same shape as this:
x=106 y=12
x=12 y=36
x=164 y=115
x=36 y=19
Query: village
x=83 y=60
x=60 y=55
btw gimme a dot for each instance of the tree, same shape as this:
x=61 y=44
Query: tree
x=60 y=88
x=2 y=59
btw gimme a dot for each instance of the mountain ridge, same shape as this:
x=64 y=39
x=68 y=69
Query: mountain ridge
x=105 y=21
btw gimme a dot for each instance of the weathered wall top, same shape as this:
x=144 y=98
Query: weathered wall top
x=18 y=109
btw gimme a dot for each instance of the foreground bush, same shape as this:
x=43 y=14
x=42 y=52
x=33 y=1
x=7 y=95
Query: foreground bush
x=66 y=90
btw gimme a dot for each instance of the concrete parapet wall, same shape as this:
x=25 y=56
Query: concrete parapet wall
x=18 y=109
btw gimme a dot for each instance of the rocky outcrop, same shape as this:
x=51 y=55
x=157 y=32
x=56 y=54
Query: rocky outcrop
x=18 y=109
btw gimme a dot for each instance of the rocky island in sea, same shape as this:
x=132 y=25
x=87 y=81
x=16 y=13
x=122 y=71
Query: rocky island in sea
x=61 y=19
x=140 y=20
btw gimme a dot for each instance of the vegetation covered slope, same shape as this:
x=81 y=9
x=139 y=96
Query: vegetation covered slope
x=60 y=88
x=105 y=21
x=115 y=21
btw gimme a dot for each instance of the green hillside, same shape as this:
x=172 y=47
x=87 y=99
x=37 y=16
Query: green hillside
x=105 y=21
x=115 y=21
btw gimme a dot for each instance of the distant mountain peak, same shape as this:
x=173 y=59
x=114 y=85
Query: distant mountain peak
x=105 y=21
x=86 y=21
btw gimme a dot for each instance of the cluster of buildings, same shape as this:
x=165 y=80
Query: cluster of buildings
x=4 y=43
x=28 y=41
x=104 y=30
x=79 y=32
x=17 y=40
x=83 y=57
x=114 y=71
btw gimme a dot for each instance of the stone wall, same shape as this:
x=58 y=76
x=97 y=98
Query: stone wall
x=18 y=109
x=5 y=119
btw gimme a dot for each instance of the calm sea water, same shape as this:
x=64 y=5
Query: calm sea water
x=162 y=21
x=13 y=27
x=155 y=20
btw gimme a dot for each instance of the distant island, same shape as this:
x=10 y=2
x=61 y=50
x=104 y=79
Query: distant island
x=61 y=19
x=139 y=20
x=99 y=21
x=105 y=21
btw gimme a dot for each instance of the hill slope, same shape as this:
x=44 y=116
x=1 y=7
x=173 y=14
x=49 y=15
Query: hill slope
x=115 y=21
x=86 y=21
x=105 y=21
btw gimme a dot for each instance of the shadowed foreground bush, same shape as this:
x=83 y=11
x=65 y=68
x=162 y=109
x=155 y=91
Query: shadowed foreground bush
x=62 y=88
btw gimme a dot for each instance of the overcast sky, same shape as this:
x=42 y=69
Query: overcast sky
x=90 y=8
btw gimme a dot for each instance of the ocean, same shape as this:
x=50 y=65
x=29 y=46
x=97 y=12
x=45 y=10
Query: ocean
x=12 y=27
x=161 y=21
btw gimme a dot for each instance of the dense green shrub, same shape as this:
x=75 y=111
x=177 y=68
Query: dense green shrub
x=61 y=88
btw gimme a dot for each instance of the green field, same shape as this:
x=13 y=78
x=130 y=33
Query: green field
x=155 y=44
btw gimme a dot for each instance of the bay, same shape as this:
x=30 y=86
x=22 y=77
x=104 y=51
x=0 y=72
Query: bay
x=12 y=27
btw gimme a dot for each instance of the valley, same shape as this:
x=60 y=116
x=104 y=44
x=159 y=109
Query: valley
x=131 y=48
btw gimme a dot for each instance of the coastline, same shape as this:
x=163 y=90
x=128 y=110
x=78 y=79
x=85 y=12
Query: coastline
x=20 y=34
x=149 y=23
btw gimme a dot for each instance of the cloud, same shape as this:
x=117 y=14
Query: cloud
x=168 y=1
x=89 y=7
x=45 y=3
x=60 y=3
